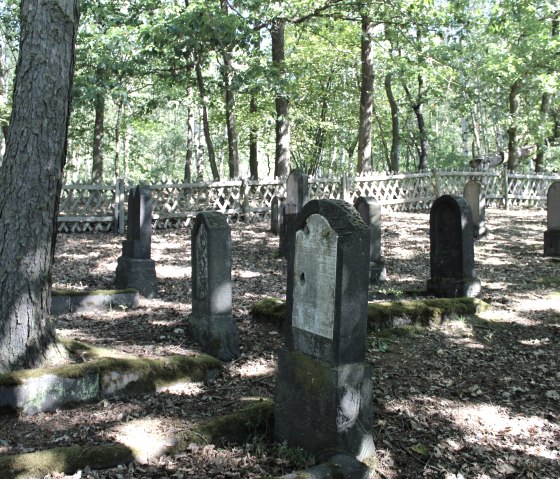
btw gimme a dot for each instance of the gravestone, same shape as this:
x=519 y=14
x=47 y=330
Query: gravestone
x=476 y=199
x=297 y=194
x=276 y=214
x=552 y=233
x=323 y=398
x=211 y=323
x=452 y=249
x=370 y=211
x=135 y=268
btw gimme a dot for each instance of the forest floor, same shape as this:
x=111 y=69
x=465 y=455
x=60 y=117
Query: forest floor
x=478 y=397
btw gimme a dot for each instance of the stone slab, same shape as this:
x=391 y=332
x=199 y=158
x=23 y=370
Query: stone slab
x=139 y=274
x=552 y=243
x=216 y=335
x=50 y=391
x=324 y=409
x=83 y=303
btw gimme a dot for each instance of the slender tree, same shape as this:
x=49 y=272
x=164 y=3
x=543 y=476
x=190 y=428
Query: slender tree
x=366 y=96
x=32 y=178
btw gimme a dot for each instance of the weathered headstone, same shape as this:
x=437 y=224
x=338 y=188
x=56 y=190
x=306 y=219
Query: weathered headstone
x=211 y=322
x=552 y=233
x=370 y=211
x=276 y=214
x=476 y=198
x=323 y=399
x=297 y=194
x=452 y=249
x=135 y=268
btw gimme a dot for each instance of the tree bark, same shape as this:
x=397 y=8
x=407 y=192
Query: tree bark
x=366 y=97
x=98 y=134
x=394 y=158
x=187 y=174
x=253 y=140
x=205 y=123
x=3 y=95
x=282 y=155
x=233 y=152
x=513 y=141
x=32 y=178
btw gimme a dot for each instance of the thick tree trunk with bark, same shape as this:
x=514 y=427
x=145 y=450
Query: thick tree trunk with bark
x=366 y=97
x=394 y=161
x=282 y=156
x=3 y=94
x=32 y=178
x=206 y=124
x=98 y=134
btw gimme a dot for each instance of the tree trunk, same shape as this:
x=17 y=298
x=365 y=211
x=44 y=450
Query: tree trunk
x=98 y=134
x=206 y=124
x=282 y=156
x=187 y=175
x=513 y=141
x=366 y=97
x=321 y=134
x=117 y=138
x=253 y=140
x=32 y=178
x=233 y=153
x=417 y=108
x=394 y=163
x=3 y=98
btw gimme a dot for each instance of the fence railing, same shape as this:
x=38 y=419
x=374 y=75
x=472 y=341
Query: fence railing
x=103 y=207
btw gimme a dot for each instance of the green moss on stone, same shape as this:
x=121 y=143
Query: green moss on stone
x=95 y=292
x=238 y=427
x=155 y=373
x=71 y=371
x=383 y=315
x=64 y=460
x=89 y=352
x=270 y=309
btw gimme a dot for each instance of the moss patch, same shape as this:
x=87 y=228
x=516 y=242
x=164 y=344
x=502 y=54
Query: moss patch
x=424 y=312
x=152 y=374
x=270 y=309
x=95 y=292
x=253 y=420
x=71 y=371
x=64 y=459
x=383 y=315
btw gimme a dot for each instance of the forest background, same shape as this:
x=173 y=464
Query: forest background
x=202 y=90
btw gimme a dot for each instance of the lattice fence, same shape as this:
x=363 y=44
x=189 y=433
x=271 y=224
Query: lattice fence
x=103 y=207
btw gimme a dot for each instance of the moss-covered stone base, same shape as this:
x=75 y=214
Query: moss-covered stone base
x=383 y=315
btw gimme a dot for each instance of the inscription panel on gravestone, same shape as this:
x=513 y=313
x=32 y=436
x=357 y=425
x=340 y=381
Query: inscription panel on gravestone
x=315 y=277
x=448 y=257
x=202 y=263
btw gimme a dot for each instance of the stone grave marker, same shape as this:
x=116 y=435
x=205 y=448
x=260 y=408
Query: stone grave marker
x=276 y=214
x=370 y=211
x=297 y=194
x=323 y=399
x=476 y=198
x=135 y=268
x=452 y=249
x=552 y=233
x=211 y=322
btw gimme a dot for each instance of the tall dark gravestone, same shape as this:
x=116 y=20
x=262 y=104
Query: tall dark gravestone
x=552 y=233
x=476 y=199
x=135 y=268
x=370 y=211
x=452 y=249
x=297 y=194
x=211 y=322
x=277 y=214
x=323 y=399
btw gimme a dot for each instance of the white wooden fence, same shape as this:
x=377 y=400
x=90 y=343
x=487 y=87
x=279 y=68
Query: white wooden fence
x=103 y=207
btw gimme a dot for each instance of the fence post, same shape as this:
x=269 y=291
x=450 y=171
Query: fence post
x=506 y=188
x=244 y=197
x=119 y=206
x=436 y=183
